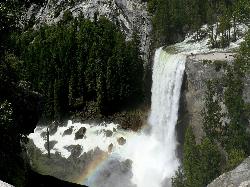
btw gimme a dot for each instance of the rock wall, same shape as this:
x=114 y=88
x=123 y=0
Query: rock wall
x=112 y=173
x=239 y=177
x=130 y=15
x=197 y=73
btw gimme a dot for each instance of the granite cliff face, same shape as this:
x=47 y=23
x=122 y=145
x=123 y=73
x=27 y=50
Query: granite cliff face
x=199 y=69
x=239 y=177
x=130 y=15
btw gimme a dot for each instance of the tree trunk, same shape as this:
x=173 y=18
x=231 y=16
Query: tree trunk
x=48 y=142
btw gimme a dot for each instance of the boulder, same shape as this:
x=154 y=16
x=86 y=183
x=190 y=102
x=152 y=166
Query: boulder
x=121 y=141
x=51 y=144
x=110 y=147
x=75 y=150
x=80 y=133
x=108 y=133
x=68 y=131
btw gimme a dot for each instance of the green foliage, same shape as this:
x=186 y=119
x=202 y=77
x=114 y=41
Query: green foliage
x=235 y=157
x=201 y=163
x=211 y=113
x=179 y=180
x=67 y=16
x=8 y=71
x=6 y=113
x=151 y=6
x=234 y=135
x=209 y=162
x=190 y=161
x=76 y=61
x=10 y=162
x=237 y=136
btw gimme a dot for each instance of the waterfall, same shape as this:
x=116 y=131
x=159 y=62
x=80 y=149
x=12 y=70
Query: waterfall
x=167 y=81
x=154 y=155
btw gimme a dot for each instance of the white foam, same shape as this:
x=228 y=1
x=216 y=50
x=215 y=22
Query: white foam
x=95 y=136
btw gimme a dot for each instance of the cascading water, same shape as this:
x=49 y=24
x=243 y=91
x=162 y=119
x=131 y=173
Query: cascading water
x=167 y=80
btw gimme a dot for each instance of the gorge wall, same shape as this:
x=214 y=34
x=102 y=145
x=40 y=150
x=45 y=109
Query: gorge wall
x=201 y=68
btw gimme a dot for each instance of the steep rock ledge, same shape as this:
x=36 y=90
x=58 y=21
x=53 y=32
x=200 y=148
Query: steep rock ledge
x=197 y=73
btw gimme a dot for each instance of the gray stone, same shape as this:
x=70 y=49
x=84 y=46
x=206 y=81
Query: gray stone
x=110 y=148
x=51 y=144
x=80 y=133
x=239 y=177
x=75 y=150
x=121 y=141
x=108 y=133
x=68 y=131
x=197 y=73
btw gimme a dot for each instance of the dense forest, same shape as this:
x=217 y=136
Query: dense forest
x=77 y=61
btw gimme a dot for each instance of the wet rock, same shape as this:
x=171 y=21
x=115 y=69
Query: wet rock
x=51 y=144
x=110 y=147
x=63 y=168
x=44 y=135
x=121 y=141
x=108 y=133
x=80 y=133
x=68 y=131
x=75 y=150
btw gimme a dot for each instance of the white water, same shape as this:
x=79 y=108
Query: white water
x=154 y=155
x=167 y=81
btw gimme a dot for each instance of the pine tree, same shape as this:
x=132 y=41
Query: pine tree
x=209 y=162
x=191 y=156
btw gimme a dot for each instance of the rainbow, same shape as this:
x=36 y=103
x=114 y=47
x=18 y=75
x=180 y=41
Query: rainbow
x=92 y=167
x=97 y=162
